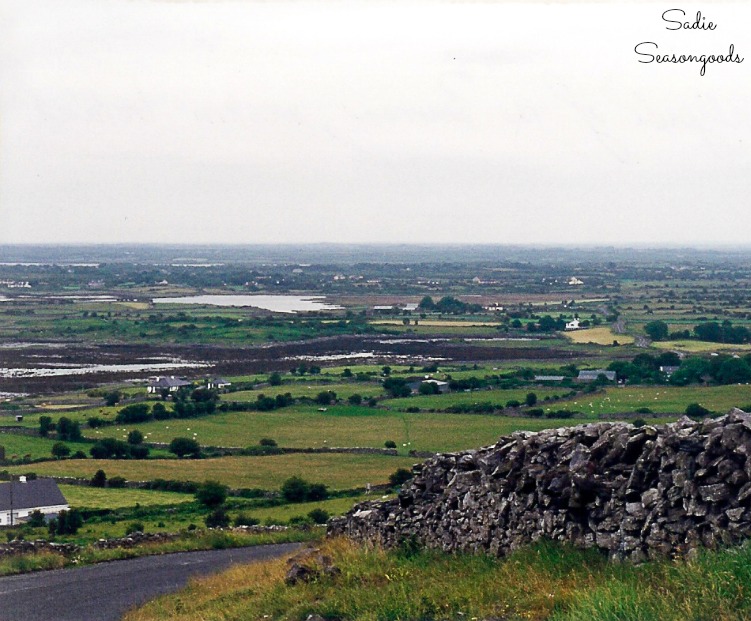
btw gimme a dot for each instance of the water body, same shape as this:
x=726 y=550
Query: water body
x=85 y=369
x=276 y=303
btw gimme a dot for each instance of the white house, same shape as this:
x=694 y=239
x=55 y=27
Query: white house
x=171 y=384
x=24 y=496
x=217 y=383
x=573 y=324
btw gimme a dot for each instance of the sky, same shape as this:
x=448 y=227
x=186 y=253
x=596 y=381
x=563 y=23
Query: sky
x=260 y=121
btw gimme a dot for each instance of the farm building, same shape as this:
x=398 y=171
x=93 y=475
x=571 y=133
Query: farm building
x=443 y=387
x=572 y=325
x=549 y=378
x=171 y=384
x=591 y=376
x=217 y=383
x=24 y=496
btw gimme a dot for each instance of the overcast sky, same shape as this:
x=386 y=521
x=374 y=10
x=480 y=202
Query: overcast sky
x=263 y=121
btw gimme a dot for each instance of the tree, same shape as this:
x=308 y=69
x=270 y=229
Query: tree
x=67 y=523
x=326 y=397
x=531 y=399
x=68 y=430
x=135 y=437
x=734 y=371
x=99 y=479
x=295 y=489
x=134 y=413
x=36 y=518
x=426 y=303
x=275 y=379
x=218 y=518
x=45 y=426
x=60 y=450
x=347 y=373
x=112 y=398
x=400 y=476
x=211 y=494
x=355 y=399
x=183 y=447
x=159 y=412
x=656 y=330
x=694 y=410
x=110 y=448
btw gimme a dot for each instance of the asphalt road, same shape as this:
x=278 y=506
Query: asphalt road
x=104 y=592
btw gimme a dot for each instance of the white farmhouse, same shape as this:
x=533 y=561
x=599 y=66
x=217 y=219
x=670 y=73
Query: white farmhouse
x=24 y=496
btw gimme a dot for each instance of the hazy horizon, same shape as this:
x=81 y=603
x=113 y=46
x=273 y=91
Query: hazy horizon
x=428 y=121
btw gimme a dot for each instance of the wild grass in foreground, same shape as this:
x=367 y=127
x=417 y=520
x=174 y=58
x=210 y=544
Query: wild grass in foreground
x=546 y=581
x=189 y=541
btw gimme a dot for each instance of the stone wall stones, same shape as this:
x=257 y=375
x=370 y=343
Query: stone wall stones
x=633 y=492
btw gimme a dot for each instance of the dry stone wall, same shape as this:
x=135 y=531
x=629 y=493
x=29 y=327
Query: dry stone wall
x=633 y=492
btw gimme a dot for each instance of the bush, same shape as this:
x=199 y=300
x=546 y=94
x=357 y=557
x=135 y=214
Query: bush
x=218 y=518
x=560 y=414
x=112 y=398
x=36 y=518
x=512 y=403
x=389 y=444
x=60 y=450
x=354 y=399
x=531 y=399
x=399 y=477
x=639 y=422
x=79 y=454
x=319 y=516
x=117 y=482
x=211 y=494
x=66 y=523
x=300 y=520
x=135 y=527
x=643 y=411
x=267 y=442
x=135 y=437
x=295 y=489
x=135 y=413
x=183 y=447
x=694 y=410
x=535 y=412
x=139 y=451
x=242 y=519
x=99 y=479
x=95 y=422
x=317 y=491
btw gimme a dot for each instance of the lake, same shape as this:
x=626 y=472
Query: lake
x=276 y=303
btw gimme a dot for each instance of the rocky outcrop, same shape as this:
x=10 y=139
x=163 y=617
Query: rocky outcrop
x=633 y=492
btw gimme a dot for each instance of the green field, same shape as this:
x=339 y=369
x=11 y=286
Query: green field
x=335 y=470
x=659 y=399
x=496 y=397
x=17 y=446
x=342 y=426
x=107 y=498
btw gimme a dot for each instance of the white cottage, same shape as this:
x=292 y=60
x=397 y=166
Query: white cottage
x=24 y=496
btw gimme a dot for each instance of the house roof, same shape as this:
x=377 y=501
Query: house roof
x=549 y=378
x=168 y=382
x=593 y=375
x=31 y=494
x=219 y=380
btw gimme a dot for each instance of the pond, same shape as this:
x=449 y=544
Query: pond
x=276 y=303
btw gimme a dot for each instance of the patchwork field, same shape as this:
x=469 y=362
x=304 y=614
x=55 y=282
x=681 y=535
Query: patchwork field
x=602 y=335
x=335 y=470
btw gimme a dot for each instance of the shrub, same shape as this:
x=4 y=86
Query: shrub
x=300 y=520
x=94 y=422
x=319 y=516
x=45 y=426
x=36 y=518
x=267 y=442
x=535 y=412
x=243 y=519
x=66 y=523
x=135 y=437
x=639 y=422
x=695 y=410
x=512 y=403
x=60 y=450
x=99 y=479
x=116 y=482
x=643 y=411
x=389 y=444
x=135 y=527
x=159 y=412
x=295 y=489
x=183 y=447
x=400 y=476
x=79 y=454
x=317 y=491
x=218 y=518
x=531 y=399
x=68 y=430
x=112 y=398
x=211 y=494
x=355 y=399
x=134 y=413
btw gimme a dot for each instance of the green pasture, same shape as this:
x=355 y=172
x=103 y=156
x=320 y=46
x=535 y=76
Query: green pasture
x=17 y=446
x=298 y=390
x=342 y=426
x=79 y=496
x=338 y=471
x=660 y=399
x=496 y=397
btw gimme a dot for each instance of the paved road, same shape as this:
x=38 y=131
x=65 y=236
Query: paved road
x=106 y=591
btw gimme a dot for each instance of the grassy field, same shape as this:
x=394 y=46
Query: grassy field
x=338 y=471
x=701 y=347
x=106 y=498
x=543 y=582
x=602 y=335
x=659 y=399
x=17 y=446
x=343 y=390
x=497 y=397
x=343 y=426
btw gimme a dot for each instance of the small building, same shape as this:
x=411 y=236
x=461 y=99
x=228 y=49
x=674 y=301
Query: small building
x=573 y=324
x=591 y=376
x=170 y=384
x=23 y=497
x=668 y=370
x=443 y=387
x=549 y=378
x=575 y=281
x=218 y=383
